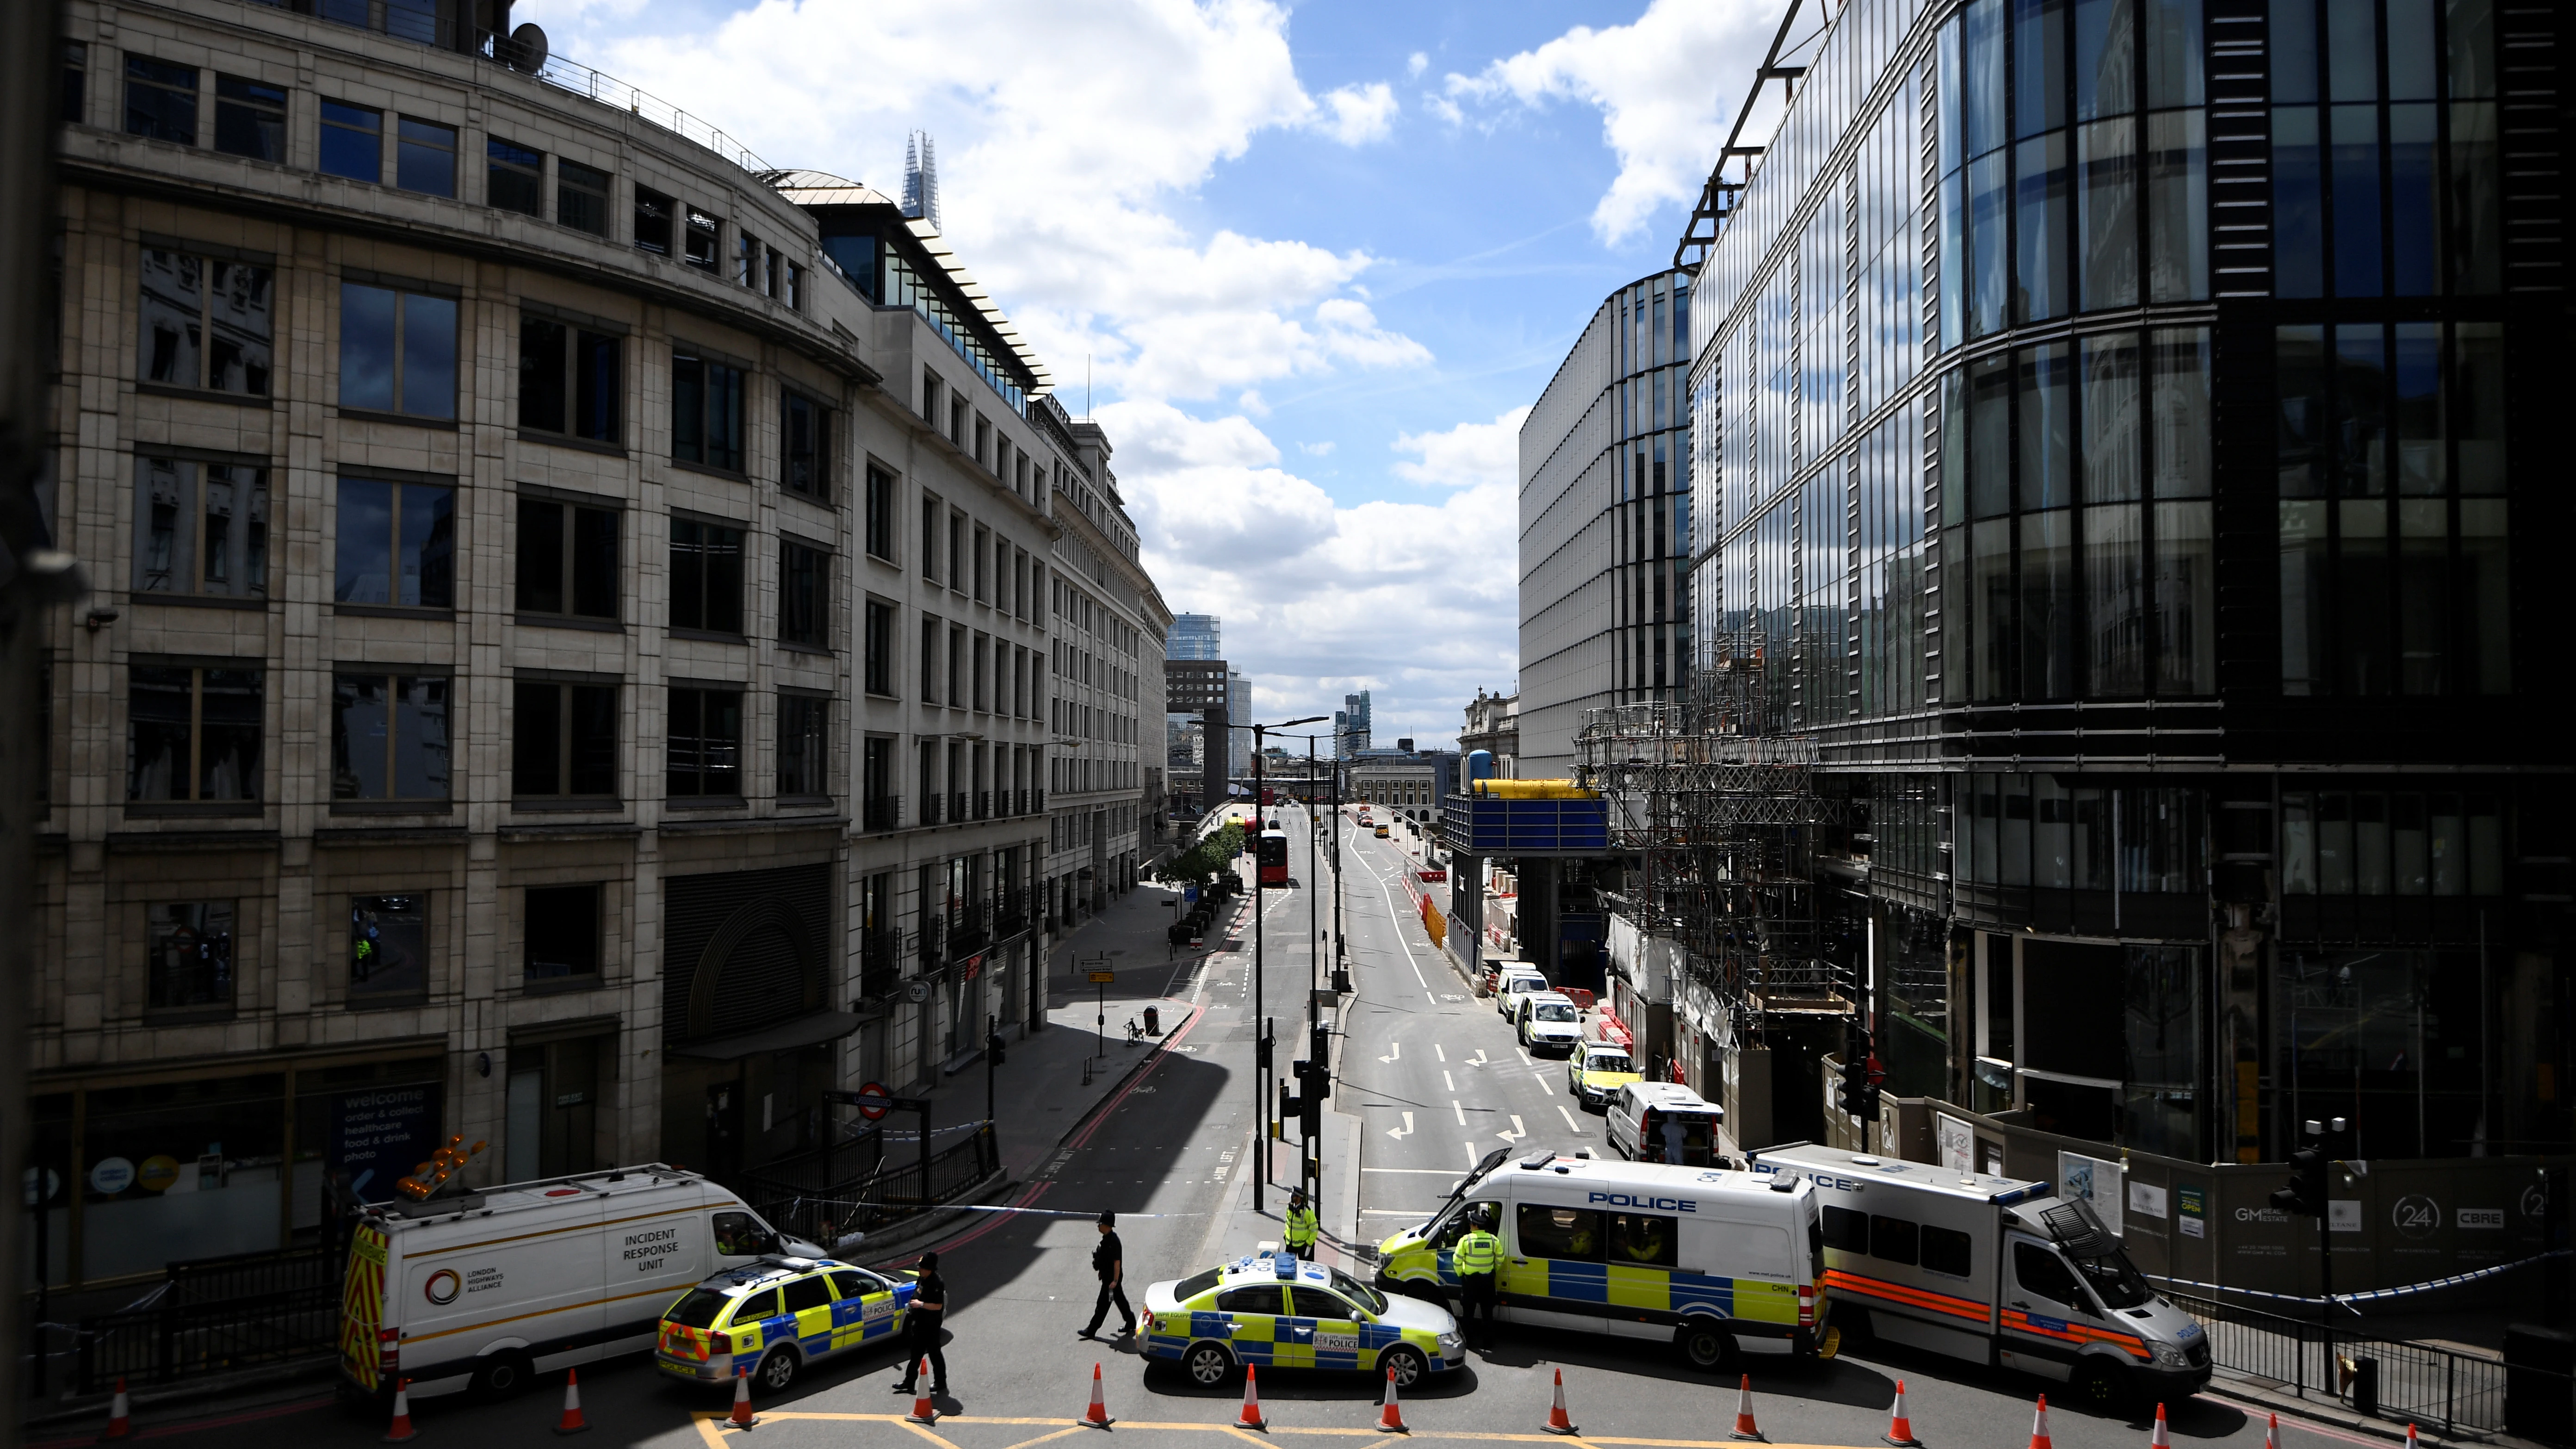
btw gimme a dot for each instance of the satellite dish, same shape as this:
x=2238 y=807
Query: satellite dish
x=528 y=50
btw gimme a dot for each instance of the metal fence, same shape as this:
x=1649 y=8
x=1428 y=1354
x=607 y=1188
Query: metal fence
x=2393 y=1378
x=216 y=1314
x=863 y=1187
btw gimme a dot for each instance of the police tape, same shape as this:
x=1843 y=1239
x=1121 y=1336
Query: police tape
x=2373 y=1294
x=837 y=1204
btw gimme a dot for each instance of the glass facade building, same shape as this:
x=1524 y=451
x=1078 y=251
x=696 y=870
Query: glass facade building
x=2092 y=402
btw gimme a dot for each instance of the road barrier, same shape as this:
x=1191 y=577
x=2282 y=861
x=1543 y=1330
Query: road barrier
x=2412 y=1380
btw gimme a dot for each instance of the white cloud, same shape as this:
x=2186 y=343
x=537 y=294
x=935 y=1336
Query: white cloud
x=1323 y=449
x=1468 y=455
x=1415 y=64
x=1665 y=85
x=1359 y=114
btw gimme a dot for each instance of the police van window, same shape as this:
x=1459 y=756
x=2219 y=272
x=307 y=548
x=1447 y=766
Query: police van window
x=699 y=1309
x=1256 y=1298
x=2115 y=1280
x=1308 y=1302
x=756 y=1306
x=1644 y=1240
x=851 y=1283
x=740 y=1235
x=2041 y=1271
x=1892 y=1239
x=808 y=1292
x=1196 y=1284
x=1463 y=1219
x=1945 y=1250
x=1846 y=1231
x=1561 y=1233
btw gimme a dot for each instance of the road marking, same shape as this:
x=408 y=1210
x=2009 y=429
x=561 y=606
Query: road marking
x=1472 y=1158
x=1461 y=1111
x=1400 y=1133
x=1444 y=1055
x=1394 y=1050
x=1516 y=1134
x=1525 y=1056
x=708 y=1421
x=1569 y=1118
x=1415 y=1171
x=1450 y=1081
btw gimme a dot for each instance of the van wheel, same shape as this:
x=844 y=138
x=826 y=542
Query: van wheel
x=778 y=1370
x=1209 y=1365
x=2101 y=1386
x=500 y=1376
x=1707 y=1347
x=1403 y=1364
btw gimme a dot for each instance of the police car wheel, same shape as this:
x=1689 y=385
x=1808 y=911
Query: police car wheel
x=1406 y=1364
x=1208 y=1364
x=1708 y=1347
x=778 y=1370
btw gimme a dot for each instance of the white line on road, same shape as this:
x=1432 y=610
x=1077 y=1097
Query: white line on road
x=1516 y=1134
x=1394 y=1050
x=1449 y=1081
x=1415 y=1171
x=1444 y=1055
x=1400 y=1133
x=1461 y=1111
x=1569 y=1119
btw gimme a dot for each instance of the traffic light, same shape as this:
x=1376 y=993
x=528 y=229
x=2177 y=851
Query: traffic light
x=1262 y=1051
x=1320 y=1053
x=1857 y=1095
x=1289 y=1105
x=2306 y=1194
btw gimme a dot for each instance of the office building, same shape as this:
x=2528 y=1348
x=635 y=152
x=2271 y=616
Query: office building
x=1493 y=724
x=1196 y=636
x=1351 y=725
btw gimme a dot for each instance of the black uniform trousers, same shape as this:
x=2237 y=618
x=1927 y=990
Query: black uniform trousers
x=1111 y=1292
x=921 y=1339
x=1477 y=1289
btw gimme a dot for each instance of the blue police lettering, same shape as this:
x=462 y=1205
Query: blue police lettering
x=1659 y=1204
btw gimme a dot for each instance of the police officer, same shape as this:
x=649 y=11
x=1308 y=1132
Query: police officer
x=1109 y=1261
x=921 y=1329
x=1302 y=1226
x=1477 y=1258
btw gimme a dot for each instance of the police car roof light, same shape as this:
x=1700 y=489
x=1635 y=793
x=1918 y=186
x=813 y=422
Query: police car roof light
x=1286 y=1265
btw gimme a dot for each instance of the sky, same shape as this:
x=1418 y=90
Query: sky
x=1309 y=264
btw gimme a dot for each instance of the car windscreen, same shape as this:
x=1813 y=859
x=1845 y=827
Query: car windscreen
x=1556 y=1011
x=2115 y=1280
x=1608 y=1062
x=699 y=1309
x=1195 y=1284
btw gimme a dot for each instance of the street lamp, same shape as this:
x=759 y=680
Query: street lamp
x=1259 y=1088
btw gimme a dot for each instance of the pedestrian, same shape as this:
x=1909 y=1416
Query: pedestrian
x=1476 y=1259
x=1109 y=1263
x=1673 y=1141
x=921 y=1329
x=1302 y=1226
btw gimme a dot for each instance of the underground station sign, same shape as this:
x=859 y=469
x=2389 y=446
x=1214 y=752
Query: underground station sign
x=872 y=1100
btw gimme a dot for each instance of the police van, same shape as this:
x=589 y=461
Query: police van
x=1652 y=1121
x=1719 y=1263
x=485 y=1289
x=1993 y=1270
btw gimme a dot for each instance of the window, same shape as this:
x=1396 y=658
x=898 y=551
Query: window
x=74 y=76
x=1555 y=1232
x=805 y=433
x=706 y=576
x=1318 y=1303
x=192 y=955
x=1252 y=1298
x=804 y=745
x=930 y=535
x=389 y=737
x=1846 y=1231
x=703 y=741
x=880 y=648
x=581 y=197
x=160 y=100
x=804 y=595
x=929 y=660
x=930 y=390
x=746 y=262
x=562 y=932
x=804 y=1293
x=425 y=158
x=200 y=528
x=353 y=142
x=702 y=238
x=388 y=945
x=250 y=119
x=795 y=293
x=706 y=412
x=397 y=544
x=1946 y=1250
x=563 y=740
x=569 y=380
x=1641 y=1239
x=206 y=323
x=397 y=351
x=878 y=804
x=514 y=177
x=652 y=222
x=567 y=557
x=1892 y=1239
x=194 y=732
x=2040 y=1271
x=880 y=510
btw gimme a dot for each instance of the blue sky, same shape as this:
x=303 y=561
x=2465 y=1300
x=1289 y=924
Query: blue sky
x=1319 y=256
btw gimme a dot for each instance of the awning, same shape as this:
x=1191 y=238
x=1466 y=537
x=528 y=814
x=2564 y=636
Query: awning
x=803 y=1031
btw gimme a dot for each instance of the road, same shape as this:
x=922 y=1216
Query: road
x=1438 y=1081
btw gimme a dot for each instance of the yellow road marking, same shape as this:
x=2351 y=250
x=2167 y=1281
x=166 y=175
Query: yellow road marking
x=916 y=1428
x=707 y=1427
x=1042 y=1438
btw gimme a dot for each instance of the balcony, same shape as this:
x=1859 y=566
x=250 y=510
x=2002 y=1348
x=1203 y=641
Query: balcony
x=881 y=812
x=958 y=808
x=880 y=964
x=983 y=804
x=930 y=802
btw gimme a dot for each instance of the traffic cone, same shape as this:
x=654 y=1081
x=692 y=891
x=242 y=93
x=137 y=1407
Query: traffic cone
x=1251 y=1417
x=400 y=1430
x=1390 y=1418
x=120 y=1418
x=1557 y=1422
x=1744 y=1412
x=1900 y=1429
x=2410 y=1437
x=2272 y=1433
x=742 y=1417
x=2156 y=1437
x=923 y=1410
x=1098 y=1414
x=572 y=1422
x=2039 y=1425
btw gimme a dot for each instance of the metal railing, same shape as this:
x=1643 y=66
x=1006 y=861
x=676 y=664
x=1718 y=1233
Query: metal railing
x=216 y=1314
x=881 y=812
x=2423 y=1382
x=866 y=1185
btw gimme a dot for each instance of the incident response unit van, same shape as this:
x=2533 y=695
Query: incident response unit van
x=484 y=1289
x=1715 y=1262
x=1996 y=1271
x=1665 y=1122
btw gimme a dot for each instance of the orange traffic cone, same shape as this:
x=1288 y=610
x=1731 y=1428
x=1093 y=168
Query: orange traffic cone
x=1900 y=1429
x=1098 y=1414
x=1557 y=1422
x=1251 y=1417
x=1390 y=1418
x=2156 y=1437
x=120 y=1418
x=401 y=1431
x=572 y=1421
x=2272 y=1433
x=923 y=1410
x=2039 y=1425
x=2410 y=1437
x=742 y=1417
x=1744 y=1428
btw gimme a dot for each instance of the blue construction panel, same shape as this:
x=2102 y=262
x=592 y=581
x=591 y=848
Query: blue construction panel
x=1478 y=825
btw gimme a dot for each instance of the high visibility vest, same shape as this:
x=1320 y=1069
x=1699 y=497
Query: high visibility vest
x=1478 y=1252
x=1301 y=1225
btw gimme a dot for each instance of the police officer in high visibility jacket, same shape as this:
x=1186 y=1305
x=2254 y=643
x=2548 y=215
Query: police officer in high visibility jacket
x=1477 y=1258
x=1302 y=1226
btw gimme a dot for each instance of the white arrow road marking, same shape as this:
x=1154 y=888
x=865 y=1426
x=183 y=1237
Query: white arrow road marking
x=1444 y=1055
x=1478 y=1059
x=1569 y=1119
x=1461 y=1111
x=1394 y=1049
x=1449 y=1081
x=1525 y=1056
x=1400 y=1133
x=1516 y=1134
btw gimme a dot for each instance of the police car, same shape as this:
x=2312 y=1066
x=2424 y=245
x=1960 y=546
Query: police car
x=1596 y=1072
x=771 y=1318
x=1280 y=1311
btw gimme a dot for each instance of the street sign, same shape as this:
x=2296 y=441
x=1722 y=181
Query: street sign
x=872 y=1100
x=1103 y=978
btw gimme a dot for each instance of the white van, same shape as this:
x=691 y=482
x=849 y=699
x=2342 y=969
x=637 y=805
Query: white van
x=1995 y=1271
x=1650 y=1120
x=1549 y=1021
x=1717 y=1263
x=485 y=1289
x=1513 y=981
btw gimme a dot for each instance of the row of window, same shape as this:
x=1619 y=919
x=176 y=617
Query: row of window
x=1899 y=1240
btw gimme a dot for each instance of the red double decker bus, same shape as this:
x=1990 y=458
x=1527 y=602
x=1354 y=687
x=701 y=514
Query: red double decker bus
x=1273 y=857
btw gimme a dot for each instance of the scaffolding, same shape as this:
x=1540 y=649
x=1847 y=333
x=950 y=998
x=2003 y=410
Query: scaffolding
x=1719 y=805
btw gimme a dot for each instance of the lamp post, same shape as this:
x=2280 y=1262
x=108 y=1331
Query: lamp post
x=1260 y=1100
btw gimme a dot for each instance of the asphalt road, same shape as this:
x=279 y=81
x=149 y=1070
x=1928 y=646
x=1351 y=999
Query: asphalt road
x=1167 y=1156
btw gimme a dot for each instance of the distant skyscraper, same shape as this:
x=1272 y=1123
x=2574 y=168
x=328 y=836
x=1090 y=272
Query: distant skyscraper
x=1238 y=706
x=921 y=178
x=1194 y=636
x=1351 y=725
